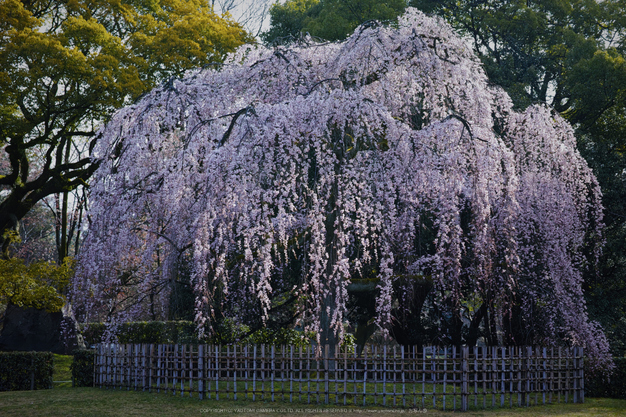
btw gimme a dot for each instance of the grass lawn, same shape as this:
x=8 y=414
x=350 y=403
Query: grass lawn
x=84 y=402
x=63 y=400
x=62 y=376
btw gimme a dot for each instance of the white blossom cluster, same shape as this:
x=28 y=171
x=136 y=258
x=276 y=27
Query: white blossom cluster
x=337 y=152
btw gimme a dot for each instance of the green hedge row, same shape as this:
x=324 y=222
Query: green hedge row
x=82 y=368
x=144 y=332
x=184 y=332
x=615 y=387
x=26 y=370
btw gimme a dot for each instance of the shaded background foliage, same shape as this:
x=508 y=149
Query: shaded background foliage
x=327 y=19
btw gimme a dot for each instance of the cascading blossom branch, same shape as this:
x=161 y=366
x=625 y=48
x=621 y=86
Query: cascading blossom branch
x=330 y=157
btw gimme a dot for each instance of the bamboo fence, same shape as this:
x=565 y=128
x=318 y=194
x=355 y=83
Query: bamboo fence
x=442 y=378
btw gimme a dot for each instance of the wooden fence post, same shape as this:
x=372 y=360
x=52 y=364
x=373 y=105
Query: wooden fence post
x=114 y=351
x=254 y=373
x=106 y=365
x=582 y=374
x=579 y=373
x=272 y=371
x=402 y=368
x=384 y=369
x=159 y=371
x=235 y=371
x=93 y=374
x=326 y=385
x=183 y=366
x=291 y=373
x=144 y=364
x=218 y=369
x=150 y=368
x=201 y=371
x=465 y=379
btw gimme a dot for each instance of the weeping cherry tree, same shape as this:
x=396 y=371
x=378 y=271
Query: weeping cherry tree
x=288 y=175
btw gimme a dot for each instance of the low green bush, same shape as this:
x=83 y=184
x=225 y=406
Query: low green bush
x=26 y=370
x=184 y=332
x=82 y=368
x=144 y=332
x=92 y=333
x=158 y=332
x=279 y=337
x=614 y=387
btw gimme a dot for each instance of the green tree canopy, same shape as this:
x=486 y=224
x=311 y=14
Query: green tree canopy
x=327 y=19
x=567 y=53
x=39 y=285
x=66 y=65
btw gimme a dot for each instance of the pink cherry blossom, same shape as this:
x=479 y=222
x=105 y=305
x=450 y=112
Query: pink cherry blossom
x=342 y=148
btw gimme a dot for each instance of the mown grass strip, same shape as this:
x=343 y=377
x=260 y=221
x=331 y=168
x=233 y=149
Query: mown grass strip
x=62 y=376
x=85 y=402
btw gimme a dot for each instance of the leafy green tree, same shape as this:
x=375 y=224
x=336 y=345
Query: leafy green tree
x=66 y=65
x=327 y=19
x=570 y=55
x=287 y=20
x=534 y=48
x=605 y=149
x=40 y=284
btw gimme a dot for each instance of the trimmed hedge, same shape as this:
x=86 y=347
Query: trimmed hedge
x=144 y=332
x=26 y=370
x=184 y=332
x=82 y=368
x=163 y=332
x=283 y=336
x=614 y=387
